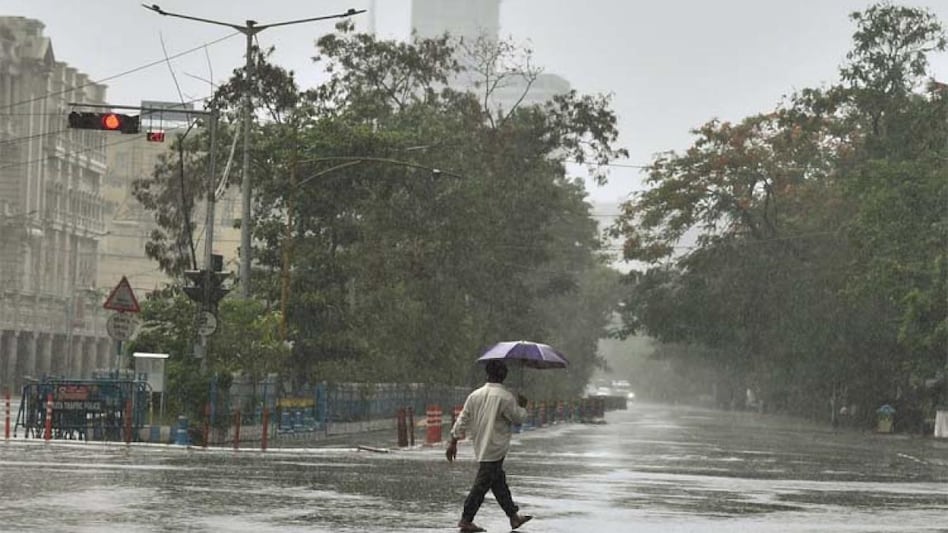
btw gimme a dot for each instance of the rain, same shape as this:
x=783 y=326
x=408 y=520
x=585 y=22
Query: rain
x=362 y=265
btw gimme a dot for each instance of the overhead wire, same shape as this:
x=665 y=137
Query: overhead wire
x=133 y=138
x=120 y=74
x=14 y=140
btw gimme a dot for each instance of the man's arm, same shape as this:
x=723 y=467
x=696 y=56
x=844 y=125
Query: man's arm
x=461 y=424
x=516 y=413
x=458 y=430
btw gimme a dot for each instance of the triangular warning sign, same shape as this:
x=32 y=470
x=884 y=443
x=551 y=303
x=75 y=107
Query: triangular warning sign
x=122 y=298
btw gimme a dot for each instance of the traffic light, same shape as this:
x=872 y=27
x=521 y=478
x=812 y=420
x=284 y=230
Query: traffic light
x=155 y=136
x=198 y=290
x=85 y=120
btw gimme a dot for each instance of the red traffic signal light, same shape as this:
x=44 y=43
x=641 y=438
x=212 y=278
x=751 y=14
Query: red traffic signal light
x=104 y=121
x=111 y=121
x=155 y=136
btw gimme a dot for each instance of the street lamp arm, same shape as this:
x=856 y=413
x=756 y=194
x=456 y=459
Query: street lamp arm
x=357 y=159
x=348 y=13
x=328 y=170
x=157 y=9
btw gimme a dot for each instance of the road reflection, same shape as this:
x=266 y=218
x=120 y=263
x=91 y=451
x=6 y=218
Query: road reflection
x=651 y=468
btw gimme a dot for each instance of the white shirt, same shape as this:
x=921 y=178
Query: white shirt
x=487 y=417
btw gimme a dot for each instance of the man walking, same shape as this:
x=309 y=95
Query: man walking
x=488 y=415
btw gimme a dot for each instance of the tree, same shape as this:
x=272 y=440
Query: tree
x=246 y=343
x=411 y=273
x=381 y=228
x=815 y=271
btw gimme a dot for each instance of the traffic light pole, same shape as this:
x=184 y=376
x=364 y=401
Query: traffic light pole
x=209 y=224
x=209 y=276
x=212 y=115
x=209 y=216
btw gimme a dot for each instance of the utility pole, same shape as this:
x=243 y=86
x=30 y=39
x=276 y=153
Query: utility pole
x=209 y=216
x=249 y=29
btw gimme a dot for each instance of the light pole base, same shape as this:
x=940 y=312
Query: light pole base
x=941 y=423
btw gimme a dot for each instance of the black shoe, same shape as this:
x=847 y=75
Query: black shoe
x=518 y=520
x=470 y=527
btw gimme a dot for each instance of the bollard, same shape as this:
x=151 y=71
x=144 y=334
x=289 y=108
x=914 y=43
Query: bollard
x=6 y=425
x=128 y=421
x=181 y=433
x=434 y=425
x=236 y=429
x=543 y=420
x=49 y=417
x=411 y=426
x=207 y=423
x=402 y=428
x=266 y=422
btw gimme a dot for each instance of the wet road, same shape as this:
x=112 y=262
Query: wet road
x=651 y=468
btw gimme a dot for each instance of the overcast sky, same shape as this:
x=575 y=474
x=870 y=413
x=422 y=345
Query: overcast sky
x=670 y=65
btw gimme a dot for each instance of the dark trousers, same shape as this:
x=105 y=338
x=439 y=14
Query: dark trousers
x=490 y=476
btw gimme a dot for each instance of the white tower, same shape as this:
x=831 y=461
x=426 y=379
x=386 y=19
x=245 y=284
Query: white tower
x=463 y=18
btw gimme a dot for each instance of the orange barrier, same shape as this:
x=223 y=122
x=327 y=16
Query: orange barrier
x=434 y=424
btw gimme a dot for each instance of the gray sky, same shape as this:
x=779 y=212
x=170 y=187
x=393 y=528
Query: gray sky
x=670 y=65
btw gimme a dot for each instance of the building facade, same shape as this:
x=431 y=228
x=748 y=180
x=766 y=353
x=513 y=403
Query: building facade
x=51 y=214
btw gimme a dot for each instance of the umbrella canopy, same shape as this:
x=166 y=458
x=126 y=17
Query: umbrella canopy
x=530 y=354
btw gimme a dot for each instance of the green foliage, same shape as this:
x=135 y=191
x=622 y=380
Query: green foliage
x=387 y=269
x=818 y=268
x=247 y=342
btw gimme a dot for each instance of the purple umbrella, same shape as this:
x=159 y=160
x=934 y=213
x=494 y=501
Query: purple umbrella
x=531 y=354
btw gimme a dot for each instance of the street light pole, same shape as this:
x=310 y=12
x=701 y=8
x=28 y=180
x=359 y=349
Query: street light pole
x=245 y=191
x=249 y=29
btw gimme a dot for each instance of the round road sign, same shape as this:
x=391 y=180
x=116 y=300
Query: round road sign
x=121 y=326
x=206 y=323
